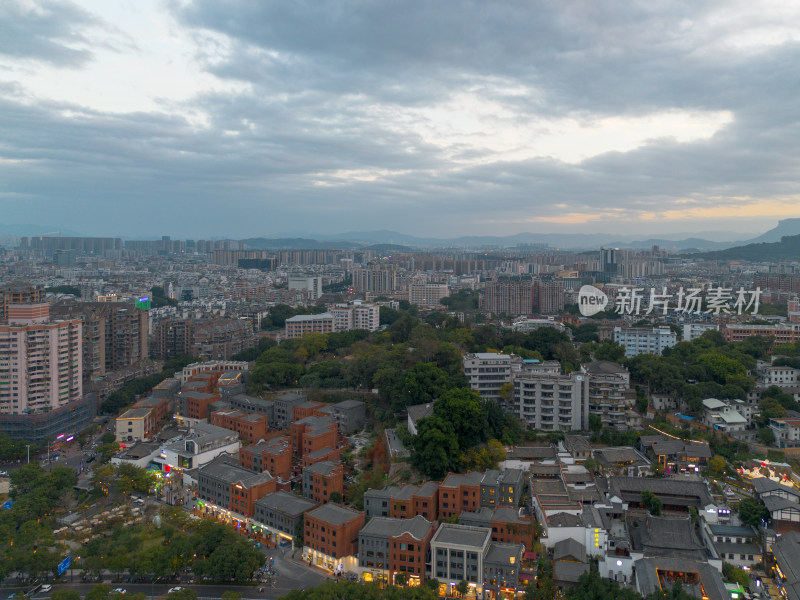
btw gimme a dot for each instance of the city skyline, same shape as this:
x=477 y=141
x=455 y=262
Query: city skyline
x=202 y=119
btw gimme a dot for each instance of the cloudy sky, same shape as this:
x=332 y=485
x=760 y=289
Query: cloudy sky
x=198 y=118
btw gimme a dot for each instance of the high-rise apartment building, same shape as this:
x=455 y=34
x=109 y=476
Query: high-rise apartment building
x=40 y=360
x=549 y=296
x=115 y=334
x=552 y=402
x=427 y=294
x=375 y=280
x=510 y=296
x=18 y=292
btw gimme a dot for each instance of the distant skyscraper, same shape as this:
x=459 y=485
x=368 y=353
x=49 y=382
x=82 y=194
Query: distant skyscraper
x=608 y=260
x=510 y=296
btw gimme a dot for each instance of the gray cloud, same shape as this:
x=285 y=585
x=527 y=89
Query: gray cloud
x=327 y=138
x=48 y=32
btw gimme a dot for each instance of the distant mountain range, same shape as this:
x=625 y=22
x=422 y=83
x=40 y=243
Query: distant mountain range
x=703 y=243
x=786 y=249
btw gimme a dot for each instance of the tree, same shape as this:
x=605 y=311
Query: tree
x=436 y=449
x=335 y=497
x=766 y=436
x=717 y=464
x=401 y=579
x=98 y=592
x=595 y=423
x=184 y=594
x=752 y=512
x=230 y=595
x=609 y=350
x=65 y=595
x=651 y=502
x=464 y=409
x=462 y=587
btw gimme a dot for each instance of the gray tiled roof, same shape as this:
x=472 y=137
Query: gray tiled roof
x=502 y=554
x=418 y=527
x=648 y=581
x=325 y=467
x=670 y=490
x=335 y=514
x=787 y=554
x=286 y=503
x=462 y=535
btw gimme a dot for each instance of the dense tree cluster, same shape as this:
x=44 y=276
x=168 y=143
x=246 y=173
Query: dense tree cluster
x=359 y=591
x=64 y=289
x=11 y=449
x=26 y=529
x=706 y=367
x=453 y=438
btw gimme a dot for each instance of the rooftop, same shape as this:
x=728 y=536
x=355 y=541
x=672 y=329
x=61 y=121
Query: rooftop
x=418 y=527
x=286 y=503
x=334 y=514
x=462 y=535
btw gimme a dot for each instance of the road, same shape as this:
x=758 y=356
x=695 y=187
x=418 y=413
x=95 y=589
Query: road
x=155 y=591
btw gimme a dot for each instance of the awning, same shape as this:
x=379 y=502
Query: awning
x=526 y=577
x=530 y=556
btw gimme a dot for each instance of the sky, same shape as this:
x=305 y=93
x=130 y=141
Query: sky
x=234 y=118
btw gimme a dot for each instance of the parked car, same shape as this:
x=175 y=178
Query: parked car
x=121 y=590
x=46 y=588
x=175 y=589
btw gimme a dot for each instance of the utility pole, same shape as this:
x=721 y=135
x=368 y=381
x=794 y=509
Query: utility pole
x=28 y=446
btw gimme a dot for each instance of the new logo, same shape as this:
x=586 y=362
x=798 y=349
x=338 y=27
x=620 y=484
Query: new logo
x=591 y=300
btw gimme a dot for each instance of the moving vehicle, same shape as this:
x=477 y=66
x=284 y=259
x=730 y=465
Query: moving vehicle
x=121 y=590
x=175 y=589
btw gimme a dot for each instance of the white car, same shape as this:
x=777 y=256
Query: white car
x=121 y=590
x=46 y=588
x=175 y=589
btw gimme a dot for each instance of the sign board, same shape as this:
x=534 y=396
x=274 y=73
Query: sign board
x=63 y=566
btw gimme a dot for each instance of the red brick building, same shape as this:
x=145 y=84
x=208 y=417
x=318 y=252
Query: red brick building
x=322 y=479
x=506 y=524
x=459 y=493
x=330 y=535
x=334 y=454
x=396 y=546
x=223 y=484
x=273 y=455
x=308 y=408
x=249 y=426
x=312 y=434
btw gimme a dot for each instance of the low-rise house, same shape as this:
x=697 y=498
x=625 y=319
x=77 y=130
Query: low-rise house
x=330 y=538
x=322 y=479
x=721 y=415
x=403 y=502
x=273 y=455
x=734 y=544
x=388 y=547
x=224 y=485
x=505 y=522
x=281 y=513
x=250 y=426
x=416 y=413
x=457 y=553
x=675 y=494
x=569 y=563
x=786 y=570
x=786 y=432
